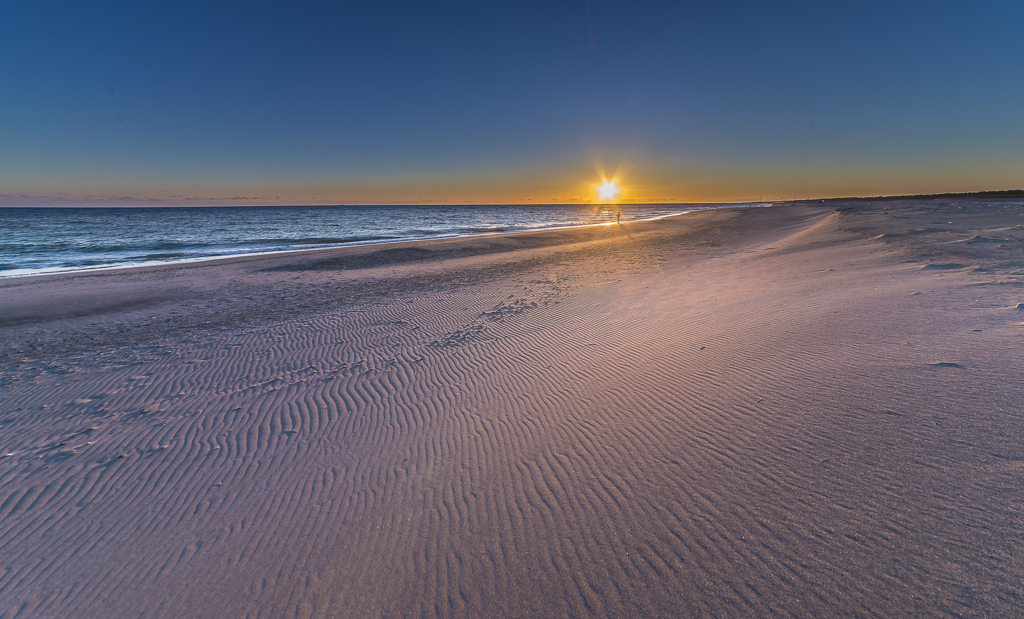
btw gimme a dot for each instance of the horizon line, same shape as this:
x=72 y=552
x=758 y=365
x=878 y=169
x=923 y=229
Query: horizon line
x=997 y=193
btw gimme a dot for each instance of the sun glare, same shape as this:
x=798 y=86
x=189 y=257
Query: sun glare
x=607 y=190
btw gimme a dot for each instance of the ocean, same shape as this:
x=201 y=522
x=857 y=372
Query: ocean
x=36 y=241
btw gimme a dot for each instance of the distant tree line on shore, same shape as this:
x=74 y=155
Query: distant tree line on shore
x=1008 y=193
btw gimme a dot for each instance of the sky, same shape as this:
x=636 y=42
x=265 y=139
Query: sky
x=145 y=103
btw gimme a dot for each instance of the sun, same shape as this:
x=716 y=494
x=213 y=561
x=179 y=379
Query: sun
x=607 y=191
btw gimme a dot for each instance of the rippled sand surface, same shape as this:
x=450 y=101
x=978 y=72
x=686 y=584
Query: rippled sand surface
x=805 y=410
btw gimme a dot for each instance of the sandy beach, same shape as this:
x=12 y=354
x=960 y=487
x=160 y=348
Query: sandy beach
x=813 y=409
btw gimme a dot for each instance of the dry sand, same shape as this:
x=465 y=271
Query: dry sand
x=787 y=411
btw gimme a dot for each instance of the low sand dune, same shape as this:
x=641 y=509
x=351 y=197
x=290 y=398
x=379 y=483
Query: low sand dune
x=787 y=411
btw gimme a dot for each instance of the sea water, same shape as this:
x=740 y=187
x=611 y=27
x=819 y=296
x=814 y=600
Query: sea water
x=36 y=241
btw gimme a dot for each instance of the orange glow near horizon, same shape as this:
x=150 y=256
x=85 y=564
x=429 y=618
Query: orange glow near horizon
x=573 y=181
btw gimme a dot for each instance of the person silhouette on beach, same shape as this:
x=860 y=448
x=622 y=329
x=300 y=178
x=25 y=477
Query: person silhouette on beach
x=618 y=217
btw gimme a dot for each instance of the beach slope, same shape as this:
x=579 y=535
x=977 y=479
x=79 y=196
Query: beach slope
x=802 y=410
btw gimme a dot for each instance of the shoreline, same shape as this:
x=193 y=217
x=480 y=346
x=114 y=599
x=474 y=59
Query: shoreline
x=325 y=247
x=19 y=310
x=342 y=245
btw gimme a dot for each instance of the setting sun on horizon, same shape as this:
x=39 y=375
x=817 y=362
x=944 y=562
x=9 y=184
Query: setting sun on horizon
x=607 y=190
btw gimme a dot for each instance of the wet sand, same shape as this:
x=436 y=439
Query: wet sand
x=805 y=410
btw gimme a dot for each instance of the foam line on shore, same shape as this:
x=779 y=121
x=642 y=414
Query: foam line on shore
x=240 y=253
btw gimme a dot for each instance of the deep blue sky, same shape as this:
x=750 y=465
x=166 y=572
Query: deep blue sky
x=135 y=103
